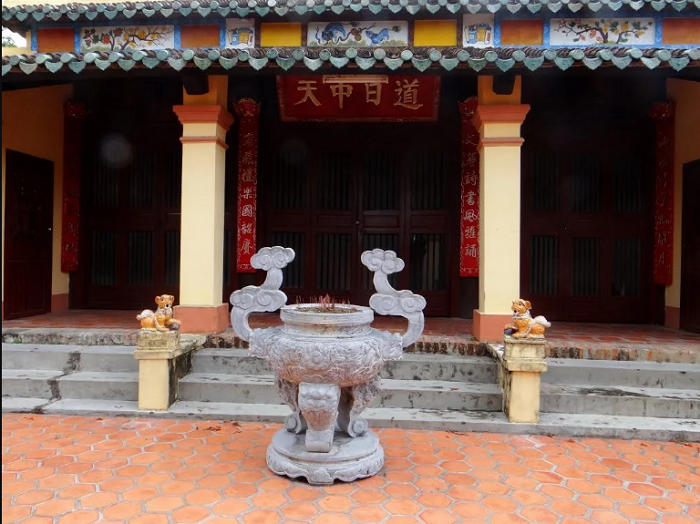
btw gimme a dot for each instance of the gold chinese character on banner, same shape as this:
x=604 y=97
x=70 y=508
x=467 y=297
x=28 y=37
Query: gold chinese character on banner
x=373 y=93
x=308 y=87
x=408 y=94
x=341 y=91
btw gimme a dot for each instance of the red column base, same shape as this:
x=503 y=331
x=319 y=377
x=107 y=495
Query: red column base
x=202 y=319
x=489 y=327
x=673 y=317
x=59 y=303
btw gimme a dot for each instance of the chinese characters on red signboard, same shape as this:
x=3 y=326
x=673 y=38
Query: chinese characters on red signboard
x=358 y=97
x=663 y=113
x=246 y=244
x=469 y=207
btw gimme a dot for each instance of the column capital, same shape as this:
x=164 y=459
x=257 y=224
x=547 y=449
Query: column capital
x=204 y=114
x=500 y=114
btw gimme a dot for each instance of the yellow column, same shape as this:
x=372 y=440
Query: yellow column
x=205 y=123
x=498 y=118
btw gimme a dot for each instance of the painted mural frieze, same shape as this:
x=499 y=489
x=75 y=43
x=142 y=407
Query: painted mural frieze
x=357 y=34
x=602 y=31
x=477 y=31
x=240 y=34
x=127 y=38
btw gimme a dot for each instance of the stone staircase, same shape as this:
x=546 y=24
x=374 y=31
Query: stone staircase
x=436 y=391
x=51 y=377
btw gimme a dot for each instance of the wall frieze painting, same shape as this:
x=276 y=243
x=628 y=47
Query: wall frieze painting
x=240 y=34
x=602 y=31
x=388 y=33
x=478 y=31
x=127 y=38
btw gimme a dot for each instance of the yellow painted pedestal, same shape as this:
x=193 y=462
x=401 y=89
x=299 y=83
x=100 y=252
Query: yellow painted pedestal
x=162 y=362
x=520 y=366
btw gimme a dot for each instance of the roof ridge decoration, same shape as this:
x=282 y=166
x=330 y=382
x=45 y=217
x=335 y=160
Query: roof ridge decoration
x=73 y=12
x=422 y=59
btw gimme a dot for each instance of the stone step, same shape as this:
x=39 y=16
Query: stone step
x=620 y=401
x=600 y=426
x=261 y=389
x=49 y=384
x=84 y=337
x=71 y=336
x=99 y=385
x=413 y=366
x=634 y=374
x=41 y=356
x=30 y=383
x=67 y=357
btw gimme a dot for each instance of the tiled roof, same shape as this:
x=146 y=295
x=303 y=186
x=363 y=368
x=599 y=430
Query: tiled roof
x=313 y=58
x=197 y=9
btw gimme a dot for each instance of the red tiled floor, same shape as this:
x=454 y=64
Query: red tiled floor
x=144 y=470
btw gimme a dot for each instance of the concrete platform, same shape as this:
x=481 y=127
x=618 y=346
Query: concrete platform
x=621 y=342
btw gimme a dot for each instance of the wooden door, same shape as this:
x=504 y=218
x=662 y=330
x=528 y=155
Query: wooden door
x=331 y=200
x=690 y=250
x=28 y=235
x=587 y=196
x=131 y=196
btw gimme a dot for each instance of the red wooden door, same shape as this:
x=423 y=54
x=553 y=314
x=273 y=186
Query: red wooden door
x=587 y=172
x=690 y=251
x=28 y=235
x=331 y=200
x=131 y=195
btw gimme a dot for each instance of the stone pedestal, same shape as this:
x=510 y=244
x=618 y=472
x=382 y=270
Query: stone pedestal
x=521 y=363
x=163 y=361
x=349 y=458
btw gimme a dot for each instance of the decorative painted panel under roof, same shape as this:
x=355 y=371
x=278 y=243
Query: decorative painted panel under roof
x=17 y=16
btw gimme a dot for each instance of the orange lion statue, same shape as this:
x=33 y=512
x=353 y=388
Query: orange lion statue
x=523 y=325
x=162 y=318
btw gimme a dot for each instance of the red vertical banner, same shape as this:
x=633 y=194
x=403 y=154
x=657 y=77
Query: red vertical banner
x=246 y=237
x=75 y=112
x=664 y=115
x=469 y=207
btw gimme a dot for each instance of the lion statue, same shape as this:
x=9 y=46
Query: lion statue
x=523 y=325
x=162 y=318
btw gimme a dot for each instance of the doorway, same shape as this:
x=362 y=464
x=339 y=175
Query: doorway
x=131 y=192
x=28 y=235
x=337 y=190
x=587 y=198
x=690 y=250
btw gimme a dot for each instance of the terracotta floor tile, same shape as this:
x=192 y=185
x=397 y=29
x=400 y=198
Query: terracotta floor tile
x=299 y=510
x=80 y=517
x=437 y=516
x=231 y=508
x=135 y=471
x=332 y=518
x=500 y=504
x=371 y=514
x=190 y=514
x=122 y=510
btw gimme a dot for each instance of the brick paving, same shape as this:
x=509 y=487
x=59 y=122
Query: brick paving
x=78 y=470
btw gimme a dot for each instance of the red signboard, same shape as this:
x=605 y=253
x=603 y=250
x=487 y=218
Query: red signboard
x=246 y=238
x=663 y=113
x=361 y=98
x=75 y=112
x=469 y=207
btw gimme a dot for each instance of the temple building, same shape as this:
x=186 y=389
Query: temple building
x=541 y=149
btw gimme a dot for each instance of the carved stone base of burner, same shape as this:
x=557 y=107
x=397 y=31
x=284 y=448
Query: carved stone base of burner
x=349 y=459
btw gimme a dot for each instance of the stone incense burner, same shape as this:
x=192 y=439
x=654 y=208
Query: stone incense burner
x=327 y=367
